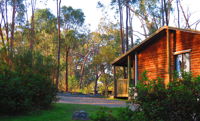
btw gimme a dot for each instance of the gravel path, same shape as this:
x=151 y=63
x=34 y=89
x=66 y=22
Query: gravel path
x=91 y=100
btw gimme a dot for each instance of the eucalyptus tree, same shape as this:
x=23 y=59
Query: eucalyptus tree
x=71 y=20
x=106 y=47
x=58 y=5
x=33 y=8
x=128 y=22
x=8 y=25
x=44 y=21
x=45 y=29
x=119 y=3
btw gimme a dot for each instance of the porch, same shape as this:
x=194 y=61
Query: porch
x=129 y=79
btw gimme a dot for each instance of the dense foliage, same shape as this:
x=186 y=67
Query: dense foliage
x=27 y=84
x=124 y=114
x=179 y=101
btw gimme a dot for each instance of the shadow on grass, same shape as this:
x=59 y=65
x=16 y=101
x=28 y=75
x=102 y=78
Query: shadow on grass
x=57 y=112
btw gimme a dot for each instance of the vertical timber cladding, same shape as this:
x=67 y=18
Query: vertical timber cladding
x=133 y=70
x=115 y=82
x=153 y=58
x=189 y=40
x=168 y=56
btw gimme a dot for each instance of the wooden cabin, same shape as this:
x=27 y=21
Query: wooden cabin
x=165 y=51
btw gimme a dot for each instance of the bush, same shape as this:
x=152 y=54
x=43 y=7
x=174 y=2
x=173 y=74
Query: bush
x=103 y=115
x=179 y=101
x=129 y=115
x=27 y=84
x=124 y=114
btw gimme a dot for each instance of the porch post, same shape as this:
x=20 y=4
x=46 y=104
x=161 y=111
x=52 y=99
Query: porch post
x=129 y=72
x=115 y=82
x=130 y=88
x=136 y=69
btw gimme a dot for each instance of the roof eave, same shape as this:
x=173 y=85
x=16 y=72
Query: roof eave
x=137 y=46
x=149 y=38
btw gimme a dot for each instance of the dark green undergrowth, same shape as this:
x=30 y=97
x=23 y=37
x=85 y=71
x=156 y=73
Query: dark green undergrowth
x=57 y=112
x=26 y=83
x=177 y=101
x=123 y=114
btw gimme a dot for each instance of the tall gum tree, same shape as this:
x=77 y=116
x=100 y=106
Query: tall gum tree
x=72 y=19
x=58 y=3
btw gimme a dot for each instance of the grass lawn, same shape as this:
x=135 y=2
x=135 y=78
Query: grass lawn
x=58 y=112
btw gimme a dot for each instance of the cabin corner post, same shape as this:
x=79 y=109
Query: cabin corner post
x=136 y=69
x=168 y=54
x=115 y=82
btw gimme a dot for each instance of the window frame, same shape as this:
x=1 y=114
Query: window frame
x=182 y=57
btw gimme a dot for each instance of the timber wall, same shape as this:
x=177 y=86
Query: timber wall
x=153 y=57
x=185 y=41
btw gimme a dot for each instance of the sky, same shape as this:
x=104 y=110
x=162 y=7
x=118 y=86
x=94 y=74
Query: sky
x=89 y=7
x=93 y=14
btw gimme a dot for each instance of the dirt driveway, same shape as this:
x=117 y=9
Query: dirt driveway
x=91 y=100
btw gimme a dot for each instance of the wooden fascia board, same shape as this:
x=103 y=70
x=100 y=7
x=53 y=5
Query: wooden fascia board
x=185 y=30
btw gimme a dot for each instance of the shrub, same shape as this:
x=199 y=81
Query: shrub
x=27 y=84
x=129 y=115
x=103 y=115
x=124 y=114
x=179 y=101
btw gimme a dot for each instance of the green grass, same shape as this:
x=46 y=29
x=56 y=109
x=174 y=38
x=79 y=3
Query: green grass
x=58 y=112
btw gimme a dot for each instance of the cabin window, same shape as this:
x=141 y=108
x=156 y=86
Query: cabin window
x=183 y=63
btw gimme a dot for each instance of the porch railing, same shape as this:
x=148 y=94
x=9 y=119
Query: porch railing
x=122 y=88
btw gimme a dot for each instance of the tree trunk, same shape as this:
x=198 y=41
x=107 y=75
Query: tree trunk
x=66 y=69
x=131 y=28
x=121 y=26
x=96 y=80
x=178 y=12
x=166 y=13
x=83 y=69
x=184 y=15
x=13 y=25
x=127 y=33
x=33 y=3
x=2 y=38
x=162 y=13
x=6 y=22
x=59 y=37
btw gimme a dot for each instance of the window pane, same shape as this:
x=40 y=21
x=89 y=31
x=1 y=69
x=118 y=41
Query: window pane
x=186 y=62
x=178 y=64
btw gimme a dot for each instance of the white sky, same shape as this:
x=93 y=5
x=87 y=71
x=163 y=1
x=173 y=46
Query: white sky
x=89 y=7
x=93 y=14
